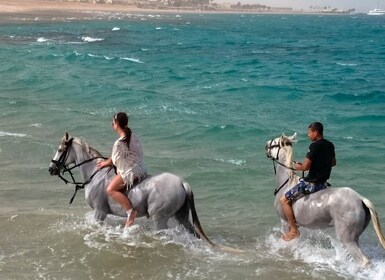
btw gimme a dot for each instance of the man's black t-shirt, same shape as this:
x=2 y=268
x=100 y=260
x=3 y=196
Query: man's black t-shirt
x=321 y=153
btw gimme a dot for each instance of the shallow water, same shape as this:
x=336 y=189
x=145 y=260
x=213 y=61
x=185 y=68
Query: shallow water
x=205 y=93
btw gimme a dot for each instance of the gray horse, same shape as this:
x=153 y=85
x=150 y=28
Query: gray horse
x=343 y=208
x=160 y=197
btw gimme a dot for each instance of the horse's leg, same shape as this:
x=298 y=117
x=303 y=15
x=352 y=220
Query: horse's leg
x=100 y=216
x=348 y=234
x=355 y=251
x=182 y=216
x=160 y=222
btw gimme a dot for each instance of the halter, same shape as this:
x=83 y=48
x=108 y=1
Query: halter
x=276 y=160
x=60 y=164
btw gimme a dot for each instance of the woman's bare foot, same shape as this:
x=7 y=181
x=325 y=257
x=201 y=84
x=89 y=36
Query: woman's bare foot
x=131 y=215
x=291 y=235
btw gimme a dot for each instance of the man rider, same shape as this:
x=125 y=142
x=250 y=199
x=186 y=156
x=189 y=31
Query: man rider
x=319 y=161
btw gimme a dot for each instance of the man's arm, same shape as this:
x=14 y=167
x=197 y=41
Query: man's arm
x=303 y=166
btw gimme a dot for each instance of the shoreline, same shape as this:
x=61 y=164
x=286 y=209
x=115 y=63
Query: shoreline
x=57 y=8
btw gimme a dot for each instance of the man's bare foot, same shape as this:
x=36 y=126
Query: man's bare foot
x=131 y=215
x=291 y=235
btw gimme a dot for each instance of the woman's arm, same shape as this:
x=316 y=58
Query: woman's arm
x=104 y=163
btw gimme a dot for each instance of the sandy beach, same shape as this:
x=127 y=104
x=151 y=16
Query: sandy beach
x=52 y=7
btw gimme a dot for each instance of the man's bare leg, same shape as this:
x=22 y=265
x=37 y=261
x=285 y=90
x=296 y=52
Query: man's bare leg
x=131 y=215
x=289 y=214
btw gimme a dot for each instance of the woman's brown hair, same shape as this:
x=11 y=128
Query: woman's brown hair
x=121 y=119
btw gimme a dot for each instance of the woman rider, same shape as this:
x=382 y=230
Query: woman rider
x=127 y=157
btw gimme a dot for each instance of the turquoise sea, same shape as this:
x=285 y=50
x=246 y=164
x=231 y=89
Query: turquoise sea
x=204 y=92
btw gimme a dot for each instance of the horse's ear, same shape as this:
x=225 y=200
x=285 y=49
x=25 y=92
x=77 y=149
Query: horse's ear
x=282 y=139
x=66 y=135
x=293 y=138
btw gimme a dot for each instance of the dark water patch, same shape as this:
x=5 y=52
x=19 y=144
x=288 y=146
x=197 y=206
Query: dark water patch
x=357 y=98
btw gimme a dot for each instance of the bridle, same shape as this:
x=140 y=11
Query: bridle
x=276 y=160
x=60 y=165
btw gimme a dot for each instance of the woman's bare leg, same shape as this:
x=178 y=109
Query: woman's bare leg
x=114 y=191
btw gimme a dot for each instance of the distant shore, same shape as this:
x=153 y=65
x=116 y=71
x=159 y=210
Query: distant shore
x=58 y=8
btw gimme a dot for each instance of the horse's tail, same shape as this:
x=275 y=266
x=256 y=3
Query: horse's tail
x=375 y=220
x=197 y=225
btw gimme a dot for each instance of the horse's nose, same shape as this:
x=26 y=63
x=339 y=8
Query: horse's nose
x=52 y=171
x=267 y=152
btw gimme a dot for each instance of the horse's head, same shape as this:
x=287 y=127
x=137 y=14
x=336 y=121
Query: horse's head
x=275 y=146
x=62 y=157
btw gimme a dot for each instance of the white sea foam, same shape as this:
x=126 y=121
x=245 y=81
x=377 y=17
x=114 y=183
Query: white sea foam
x=323 y=253
x=35 y=124
x=141 y=235
x=42 y=40
x=347 y=64
x=3 y=133
x=90 y=39
x=115 y=29
x=131 y=59
x=238 y=162
x=92 y=55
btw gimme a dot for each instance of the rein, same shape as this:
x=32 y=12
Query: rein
x=78 y=185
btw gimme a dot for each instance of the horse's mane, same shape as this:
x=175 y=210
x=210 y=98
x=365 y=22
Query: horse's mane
x=87 y=148
x=289 y=156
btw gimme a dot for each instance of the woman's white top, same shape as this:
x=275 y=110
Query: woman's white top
x=129 y=162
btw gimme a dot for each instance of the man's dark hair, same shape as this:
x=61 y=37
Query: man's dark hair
x=317 y=126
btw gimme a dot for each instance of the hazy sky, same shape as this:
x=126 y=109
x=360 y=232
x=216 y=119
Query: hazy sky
x=359 y=5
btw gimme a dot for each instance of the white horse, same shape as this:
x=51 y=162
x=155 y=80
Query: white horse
x=343 y=208
x=160 y=197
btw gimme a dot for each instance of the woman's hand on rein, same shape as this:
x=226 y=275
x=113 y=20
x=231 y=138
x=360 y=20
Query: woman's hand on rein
x=101 y=164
